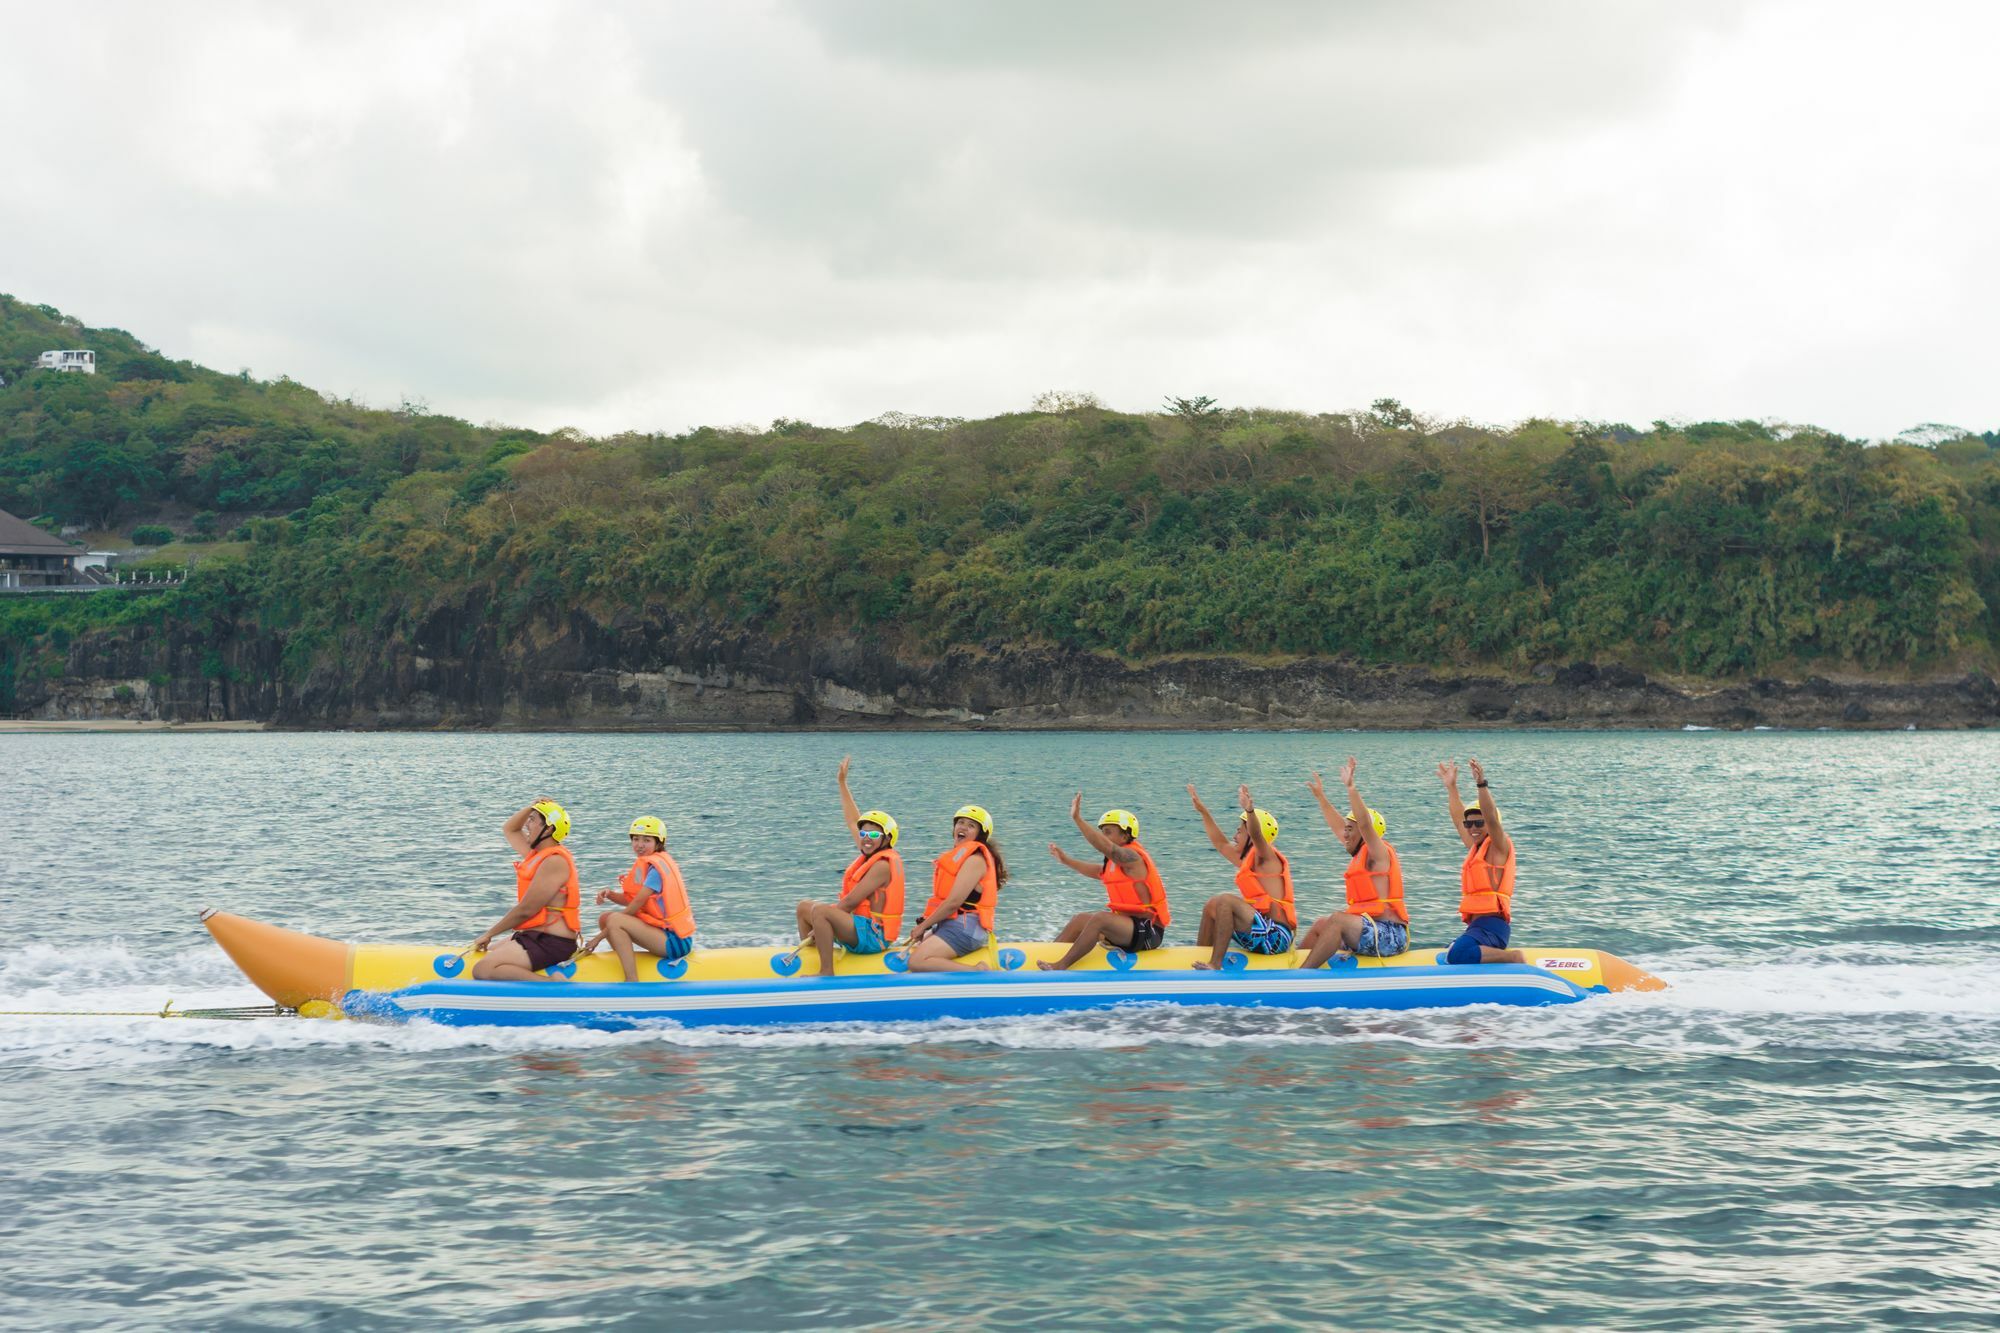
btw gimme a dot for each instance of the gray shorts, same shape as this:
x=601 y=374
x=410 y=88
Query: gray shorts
x=962 y=934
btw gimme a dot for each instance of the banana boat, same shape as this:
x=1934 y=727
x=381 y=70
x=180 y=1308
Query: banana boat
x=750 y=987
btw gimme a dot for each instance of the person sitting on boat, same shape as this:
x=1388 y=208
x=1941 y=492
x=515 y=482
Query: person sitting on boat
x=545 y=918
x=1486 y=879
x=657 y=916
x=1137 y=918
x=868 y=915
x=965 y=885
x=1259 y=917
x=1375 y=922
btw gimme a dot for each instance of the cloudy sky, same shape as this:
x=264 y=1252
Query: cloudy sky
x=662 y=215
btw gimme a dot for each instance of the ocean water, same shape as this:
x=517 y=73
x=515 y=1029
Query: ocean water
x=1803 y=1132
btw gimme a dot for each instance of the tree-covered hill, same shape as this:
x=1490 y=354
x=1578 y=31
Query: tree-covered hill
x=1712 y=549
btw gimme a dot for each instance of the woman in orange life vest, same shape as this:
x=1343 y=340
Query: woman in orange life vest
x=1138 y=917
x=1259 y=916
x=1375 y=922
x=1486 y=880
x=657 y=916
x=965 y=884
x=544 y=919
x=868 y=915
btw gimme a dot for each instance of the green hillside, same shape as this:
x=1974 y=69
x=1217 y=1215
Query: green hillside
x=1711 y=549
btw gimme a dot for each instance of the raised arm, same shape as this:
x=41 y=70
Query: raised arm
x=514 y=829
x=1378 y=855
x=1257 y=838
x=1093 y=835
x=1080 y=867
x=1334 y=819
x=1448 y=773
x=1491 y=809
x=847 y=806
x=1208 y=826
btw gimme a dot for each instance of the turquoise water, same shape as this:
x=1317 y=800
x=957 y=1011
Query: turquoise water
x=1801 y=1133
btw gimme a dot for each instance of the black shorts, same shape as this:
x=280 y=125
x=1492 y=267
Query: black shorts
x=1147 y=933
x=544 y=950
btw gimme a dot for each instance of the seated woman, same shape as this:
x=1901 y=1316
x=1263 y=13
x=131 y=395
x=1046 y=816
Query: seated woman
x=1137 y=918
x=1376 y=921
x=965 y=885
x=868 y=915
x=657 y=915
x=1259 y=916
x=544 y=918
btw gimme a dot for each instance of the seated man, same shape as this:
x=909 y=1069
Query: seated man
x=1486 y=880
x=1137 y=917
x=1259 y=917
x=1375 y=922
x=545 y=918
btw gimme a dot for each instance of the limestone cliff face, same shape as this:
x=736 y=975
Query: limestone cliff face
x=661 y=670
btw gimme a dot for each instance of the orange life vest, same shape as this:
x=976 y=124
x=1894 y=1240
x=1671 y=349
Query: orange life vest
x=1485 y=889
x=944 y=873
x=884 y=906
x=1281 y=909
x=1126 y=893
x=524 y=875
x=1365 y=897
x=666 y=907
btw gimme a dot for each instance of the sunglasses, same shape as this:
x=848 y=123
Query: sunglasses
x=870 y=832
x=1472 y=822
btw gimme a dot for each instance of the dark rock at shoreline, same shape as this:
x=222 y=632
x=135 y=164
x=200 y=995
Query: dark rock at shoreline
x=664 y=671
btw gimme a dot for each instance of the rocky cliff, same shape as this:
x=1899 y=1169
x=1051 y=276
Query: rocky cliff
x=663 y=671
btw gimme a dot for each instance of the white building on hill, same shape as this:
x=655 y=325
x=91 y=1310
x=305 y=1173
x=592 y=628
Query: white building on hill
x=84 y=361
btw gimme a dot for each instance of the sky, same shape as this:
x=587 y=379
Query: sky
x=657 y=216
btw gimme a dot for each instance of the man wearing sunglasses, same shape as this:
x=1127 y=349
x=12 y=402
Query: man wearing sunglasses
x=1486 y=880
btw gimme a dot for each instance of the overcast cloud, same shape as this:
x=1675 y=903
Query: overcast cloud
x=659 y=216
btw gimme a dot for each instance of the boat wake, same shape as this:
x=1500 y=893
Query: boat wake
x=98 y=1008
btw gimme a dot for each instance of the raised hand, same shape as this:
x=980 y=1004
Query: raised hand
x=1055 y=851
x=1195 y=796
x=1317 y=786
x=846 y=762
x=1448 y=772
x=1076 y=807
x=1478 y=773
x=1347 y=772
x=1243 y=797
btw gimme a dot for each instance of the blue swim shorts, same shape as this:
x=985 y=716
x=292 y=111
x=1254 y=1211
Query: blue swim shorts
x=963 y=934
x=1264 y=936
x=1382 y=939
x=1490 y=931
x=678 y=947
x=867 y=937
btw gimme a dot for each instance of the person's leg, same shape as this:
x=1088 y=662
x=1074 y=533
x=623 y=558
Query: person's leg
x=804 y=912
x=827 y=925
x=1231 y=914
x=1342 y=934
x=1068 y=933
x=1489 y=954
x=626 y=931
x=506 y=961
x=1086 y=932
x=943 y=947
x=1205 y=934
x=1310 y=940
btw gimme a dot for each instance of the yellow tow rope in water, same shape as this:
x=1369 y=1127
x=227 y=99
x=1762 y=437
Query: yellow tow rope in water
x=165 y=1011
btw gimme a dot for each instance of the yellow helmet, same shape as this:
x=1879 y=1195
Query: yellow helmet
x=1124 y=819
x=977 y=814
x=1266 y=820
x=648 y=826
x=1381 y=824
x=881 y=819
x=1473 y=809
x=555 y=817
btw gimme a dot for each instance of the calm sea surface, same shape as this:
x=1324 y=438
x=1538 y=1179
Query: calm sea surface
x=1803 y=1132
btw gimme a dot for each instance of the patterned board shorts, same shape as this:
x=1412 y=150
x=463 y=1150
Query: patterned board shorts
x=867 y=937
x=1264 y=936
x=1382 y=939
